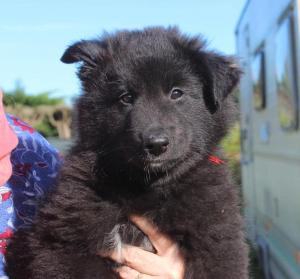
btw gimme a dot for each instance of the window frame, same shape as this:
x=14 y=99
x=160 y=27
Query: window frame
x=261 y=55
x=294 y=95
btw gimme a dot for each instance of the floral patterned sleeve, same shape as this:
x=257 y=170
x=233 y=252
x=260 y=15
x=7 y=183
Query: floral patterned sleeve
x=35 y=165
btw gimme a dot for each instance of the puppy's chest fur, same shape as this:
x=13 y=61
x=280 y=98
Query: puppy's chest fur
x=165 y=212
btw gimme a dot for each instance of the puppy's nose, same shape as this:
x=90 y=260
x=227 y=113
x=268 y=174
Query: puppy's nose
x=156 y=143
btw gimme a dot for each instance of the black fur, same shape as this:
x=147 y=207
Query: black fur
x=109 y=175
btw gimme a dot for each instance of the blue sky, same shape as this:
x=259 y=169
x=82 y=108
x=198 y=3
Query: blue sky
x=35 y=33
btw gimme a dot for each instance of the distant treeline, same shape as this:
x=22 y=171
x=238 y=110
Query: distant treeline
x=19 y=96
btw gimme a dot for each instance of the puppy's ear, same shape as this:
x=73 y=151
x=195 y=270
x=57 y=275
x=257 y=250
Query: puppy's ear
x=221 y=75
x=83 y=51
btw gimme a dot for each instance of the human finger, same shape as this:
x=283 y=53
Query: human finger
x=126 y=272
x=140 y=260
x=160 y=241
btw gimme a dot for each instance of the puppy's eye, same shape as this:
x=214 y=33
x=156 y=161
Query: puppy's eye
x=127 y=98
x=176 y=94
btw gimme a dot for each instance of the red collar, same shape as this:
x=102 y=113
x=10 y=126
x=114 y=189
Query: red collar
x=215 y=160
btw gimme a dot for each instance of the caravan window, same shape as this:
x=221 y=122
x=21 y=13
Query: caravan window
x=286 y=75
x=258 y=77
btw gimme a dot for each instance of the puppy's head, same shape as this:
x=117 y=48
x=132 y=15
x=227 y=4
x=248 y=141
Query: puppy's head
x=153 y=98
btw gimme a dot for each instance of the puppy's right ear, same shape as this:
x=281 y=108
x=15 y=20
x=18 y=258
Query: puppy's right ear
x=221 y=75
x=83 y=51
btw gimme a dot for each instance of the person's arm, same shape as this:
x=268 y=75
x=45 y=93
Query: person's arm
x=168 y=263
x=8 y=141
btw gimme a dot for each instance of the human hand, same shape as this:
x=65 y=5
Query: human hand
x=167 y=263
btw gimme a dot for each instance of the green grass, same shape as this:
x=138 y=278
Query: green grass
x=231 y=146
x=255 y=270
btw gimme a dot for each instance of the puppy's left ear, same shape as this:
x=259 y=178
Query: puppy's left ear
x=221 y=76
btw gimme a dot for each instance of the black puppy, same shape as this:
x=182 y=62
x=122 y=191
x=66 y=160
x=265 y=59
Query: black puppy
x=154 y=108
